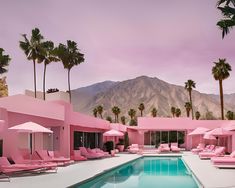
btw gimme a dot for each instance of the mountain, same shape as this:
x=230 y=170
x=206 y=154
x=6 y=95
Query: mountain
x=153 y=92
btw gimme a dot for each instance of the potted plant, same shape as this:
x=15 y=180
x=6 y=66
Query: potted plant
x=120 y=145
x=109 y=146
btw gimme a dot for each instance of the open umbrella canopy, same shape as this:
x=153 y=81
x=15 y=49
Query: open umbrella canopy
x=230 y=127
x=199 y=131
x=220 y=132
x=31 y=127
x=209 y=136
x=113 y=133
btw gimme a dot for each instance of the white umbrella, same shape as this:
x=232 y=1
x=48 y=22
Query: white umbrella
x=31 y=127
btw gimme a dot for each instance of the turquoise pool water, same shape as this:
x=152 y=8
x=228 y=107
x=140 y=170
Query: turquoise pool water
x=146 y=172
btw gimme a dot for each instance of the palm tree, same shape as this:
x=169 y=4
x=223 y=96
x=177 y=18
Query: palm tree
x=177 y=112
x=70 y=56
x=230 y=115
x=141 y=108
x=154 y=112
x=108 y=118
x=123 y=120
x=189 y=85
x=116 y=110
x=33 y=50
x=132 y=113
x=95 y=112
x=188 y=107
x=100 y=110
x=227 y=8
x=173 y=111
x=4 y=61
x=221 y=72
x=197 y=115
x=48 y=56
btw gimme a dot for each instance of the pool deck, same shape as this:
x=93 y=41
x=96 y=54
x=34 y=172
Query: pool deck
x=70 y=175
x=207 y=174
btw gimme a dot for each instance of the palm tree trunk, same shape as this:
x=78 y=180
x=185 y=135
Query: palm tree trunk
x=35 y=81
x=141 y=113
x=69 y=85
x=44 y=82
x=187 y=113
x=190 y=97
x=221 y=99
x=117 y=118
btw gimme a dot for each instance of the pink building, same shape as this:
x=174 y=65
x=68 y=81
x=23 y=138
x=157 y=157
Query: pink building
x=72 y=129
x=152 y=131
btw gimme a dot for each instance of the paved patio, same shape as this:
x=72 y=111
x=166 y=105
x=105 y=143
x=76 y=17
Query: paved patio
x=69 y=175
x=208 y=175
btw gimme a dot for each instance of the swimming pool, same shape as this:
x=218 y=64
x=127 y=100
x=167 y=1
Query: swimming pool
x=145 y=172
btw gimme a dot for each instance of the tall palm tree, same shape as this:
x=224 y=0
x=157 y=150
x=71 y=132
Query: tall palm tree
x=132 y=113
x=33 y=49
x=230 y=115
x=48 y=56
x=188 y=107
x=95 y=112
x=189 y=85
x=116 y=111
x=154 y=112
x=4 y=61
x=197 y=115
x=221 y=72
x=123 y=120
x=173 y=111
x=141 y=108
x=227 y=8
x=70 y=56
x=100 y=111
x=177 y=112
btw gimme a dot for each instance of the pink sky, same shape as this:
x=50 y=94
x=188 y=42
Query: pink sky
x=171 y=40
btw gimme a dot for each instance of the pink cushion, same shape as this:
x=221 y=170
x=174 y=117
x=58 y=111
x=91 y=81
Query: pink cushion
x=134 y=145
x=232 y=154
x=219 y=150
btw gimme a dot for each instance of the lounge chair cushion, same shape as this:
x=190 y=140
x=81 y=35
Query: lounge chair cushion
x=232 y=154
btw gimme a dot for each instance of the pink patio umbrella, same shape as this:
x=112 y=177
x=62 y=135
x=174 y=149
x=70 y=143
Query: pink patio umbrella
x=209 y=136
x=31 y=127
x=199 y=131
x=230 y=127
x=219 y=132
x=113 y=133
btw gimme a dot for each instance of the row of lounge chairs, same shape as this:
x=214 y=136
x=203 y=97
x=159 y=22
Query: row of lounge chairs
x=216 y=154
x=134 y=148
x=45 y=161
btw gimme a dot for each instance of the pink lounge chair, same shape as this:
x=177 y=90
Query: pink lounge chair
x=200 y=148
x=219 y=151
x=77 y=156
x=174 y=147
x=48 y=165
x=227 y=161
x=209 y=148
x=10 y=169
x=55 y=155
x=133 y=148
x=98 y=150
x=164 y=148
x=89 y=155
x=43 y=154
